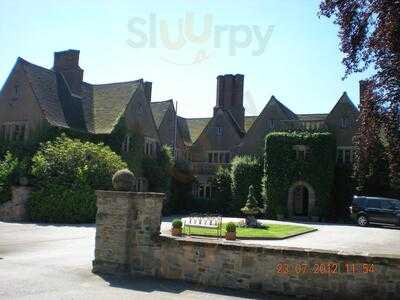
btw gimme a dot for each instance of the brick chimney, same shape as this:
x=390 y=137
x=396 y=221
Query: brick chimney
x=147 y=85
x=67 y=63
x=230 y=96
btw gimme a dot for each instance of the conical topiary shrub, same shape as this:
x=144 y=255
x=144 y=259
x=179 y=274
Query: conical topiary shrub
x=251 y=209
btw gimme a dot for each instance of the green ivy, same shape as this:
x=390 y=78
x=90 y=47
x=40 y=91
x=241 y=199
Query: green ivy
x=283 y=169
x=245 y=171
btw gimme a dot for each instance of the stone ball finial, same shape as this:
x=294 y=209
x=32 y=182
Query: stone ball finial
x=123 y=180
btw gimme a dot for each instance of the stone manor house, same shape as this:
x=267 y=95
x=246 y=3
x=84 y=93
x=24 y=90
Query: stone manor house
x=59 y=97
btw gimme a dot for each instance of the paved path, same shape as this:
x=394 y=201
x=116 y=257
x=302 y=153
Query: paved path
x=349 y=239
x=54 y=262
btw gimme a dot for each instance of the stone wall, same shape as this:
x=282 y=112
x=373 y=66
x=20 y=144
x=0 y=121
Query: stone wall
x=297 y=272
x=15 y=209
x=128 y=242
x=127 y=227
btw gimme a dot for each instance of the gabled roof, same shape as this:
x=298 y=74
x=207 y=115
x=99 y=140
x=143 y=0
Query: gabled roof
x=44 y=86
x=184 y=130
x=196 y=127
x=159 y=109
x=252 y=120
x=248 y=122
x=109 y=103
x=97 y=110
x=288 y=113
x=345 y=100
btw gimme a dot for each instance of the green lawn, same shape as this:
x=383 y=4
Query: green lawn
x=273 y=231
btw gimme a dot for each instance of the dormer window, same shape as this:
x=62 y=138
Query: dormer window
x=16 y=93
x=140 y=109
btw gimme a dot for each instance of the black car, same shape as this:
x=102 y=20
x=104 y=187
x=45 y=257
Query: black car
x=376 y=210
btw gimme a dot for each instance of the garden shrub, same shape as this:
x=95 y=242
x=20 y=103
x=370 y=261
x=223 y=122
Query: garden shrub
x=230 y=227
x=157 y=170
x=246 y=171
x=222 y=190
x=56 y=203
x=177 y=223
x=66 y=173
x=8 y=168
x=123 y=180
x=283 y=168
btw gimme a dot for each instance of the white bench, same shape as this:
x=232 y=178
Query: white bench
x=212 y=222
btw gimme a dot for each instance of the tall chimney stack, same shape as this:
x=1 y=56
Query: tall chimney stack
x=230 y=96
x=148 y=86
x=67 y=63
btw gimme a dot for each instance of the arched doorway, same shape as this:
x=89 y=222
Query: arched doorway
x=301 y=199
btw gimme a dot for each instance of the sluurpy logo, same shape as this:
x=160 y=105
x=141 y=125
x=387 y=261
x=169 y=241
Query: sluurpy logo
x=153 y=33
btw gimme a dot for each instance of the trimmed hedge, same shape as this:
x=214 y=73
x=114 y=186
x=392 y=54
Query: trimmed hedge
x=222 y=190
x=246 y=171
x=283 y=169
x=66 y=173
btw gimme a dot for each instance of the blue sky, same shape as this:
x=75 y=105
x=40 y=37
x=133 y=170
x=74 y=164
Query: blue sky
x=300 y=65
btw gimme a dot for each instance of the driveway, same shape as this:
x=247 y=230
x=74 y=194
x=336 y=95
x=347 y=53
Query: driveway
x=54 y=262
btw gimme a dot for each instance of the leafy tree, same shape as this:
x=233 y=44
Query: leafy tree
x=181 y=187
x=8 y=167
x=370 y=34
x=370 y=173
x=222 y=191
x=157 y=170
x=66 y=173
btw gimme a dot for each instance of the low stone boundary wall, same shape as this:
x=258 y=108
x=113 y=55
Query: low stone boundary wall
x=128 y=242
x=15 y=209
x=297 y=272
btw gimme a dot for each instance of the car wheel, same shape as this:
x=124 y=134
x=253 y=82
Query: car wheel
x=362 y=220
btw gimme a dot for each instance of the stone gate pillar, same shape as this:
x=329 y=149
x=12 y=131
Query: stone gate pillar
x=127 y=230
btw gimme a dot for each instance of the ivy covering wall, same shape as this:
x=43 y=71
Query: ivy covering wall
x=283 y=168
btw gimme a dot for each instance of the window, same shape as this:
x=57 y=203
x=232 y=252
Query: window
x=220 y=131
x=395 y=204
x=127 y=144
x=13 y=131
x=150 y=147
x=227 y=157
x=374 y=203
x=215 y=155
x=16 y=92
x=219 y=157
x=140 y=109
x=345 y=155
x=202 y=190
x=271 y=124
x=344 y=122
x=302 y=152
x=386 y=204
